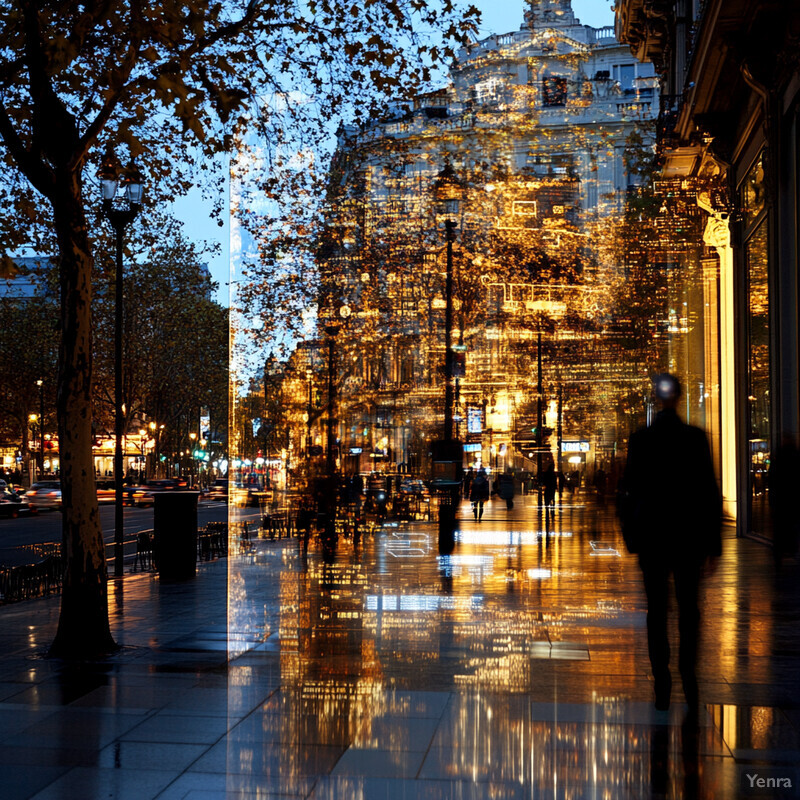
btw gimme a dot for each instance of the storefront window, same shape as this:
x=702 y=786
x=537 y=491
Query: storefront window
x=752 y=193
x=759 y=401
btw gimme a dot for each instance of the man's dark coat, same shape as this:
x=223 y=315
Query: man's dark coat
x=670 y=504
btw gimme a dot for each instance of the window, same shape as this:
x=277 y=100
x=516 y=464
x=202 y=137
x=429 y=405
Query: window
x=524 y=208
x=554 y=91
x=488 y=90
x=532 y=70
x=625 y=74
x=759 y=406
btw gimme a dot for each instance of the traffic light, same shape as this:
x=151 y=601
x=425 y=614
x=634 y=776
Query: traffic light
x=459 y=364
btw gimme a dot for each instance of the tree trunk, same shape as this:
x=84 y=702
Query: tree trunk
x=83 y=629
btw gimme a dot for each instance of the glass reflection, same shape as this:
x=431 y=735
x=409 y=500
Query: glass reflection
x=759 y=375
x=525 y=325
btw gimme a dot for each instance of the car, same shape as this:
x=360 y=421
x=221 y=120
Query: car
x=166 y=484
x=45 y=494
x=106 y=492
x=13 y=504
x=219 y=491
x=251 y=495
x=140 y=496
x=414 y=486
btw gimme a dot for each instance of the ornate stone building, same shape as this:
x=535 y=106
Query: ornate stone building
x=539 y=127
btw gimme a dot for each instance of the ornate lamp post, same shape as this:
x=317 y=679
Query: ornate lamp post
x=121 y=209
x=448 y=192
x=193 y=454
x=33 y=462
x=448 y=454
x=307 y=416
x=40 y=384
x=332 y=328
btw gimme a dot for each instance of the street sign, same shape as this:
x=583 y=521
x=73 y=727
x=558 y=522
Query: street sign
x=575 y=447
x=474 y=419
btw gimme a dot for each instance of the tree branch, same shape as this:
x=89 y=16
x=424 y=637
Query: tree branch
x=121 y=77
x=40 y=176
x=10 y=70
x=52 y=124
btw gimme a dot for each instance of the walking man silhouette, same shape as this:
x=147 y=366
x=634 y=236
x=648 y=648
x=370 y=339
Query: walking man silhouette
x=670 y=513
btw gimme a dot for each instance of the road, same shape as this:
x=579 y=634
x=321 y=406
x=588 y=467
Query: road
x=45 y=527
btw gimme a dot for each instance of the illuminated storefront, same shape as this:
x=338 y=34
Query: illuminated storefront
x=729 y=123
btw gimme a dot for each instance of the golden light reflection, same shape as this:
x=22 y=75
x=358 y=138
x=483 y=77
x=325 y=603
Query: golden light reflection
x=564 y=301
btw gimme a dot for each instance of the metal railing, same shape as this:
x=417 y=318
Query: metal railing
x=42 y=571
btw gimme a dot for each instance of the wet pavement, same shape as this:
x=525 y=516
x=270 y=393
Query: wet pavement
x=514 y=667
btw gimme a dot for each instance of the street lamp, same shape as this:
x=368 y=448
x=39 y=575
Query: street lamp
x=448 y=192
x=307 y=416
x=332 y=328
x=121 y=211
x=40 y=384
x=448 y=454
x=193 y=453
x=32 y=419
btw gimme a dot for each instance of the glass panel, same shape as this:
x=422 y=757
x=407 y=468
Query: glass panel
x=752 y=193
x=759 y=406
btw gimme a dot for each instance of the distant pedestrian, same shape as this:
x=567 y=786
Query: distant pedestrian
x=479 y=493
x=670 y=512
x=469 y=476
x=600 y=485
x=305 y=516
x=549 y=481
x=505 y=488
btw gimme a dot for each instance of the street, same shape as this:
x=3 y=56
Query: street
x=45 y=527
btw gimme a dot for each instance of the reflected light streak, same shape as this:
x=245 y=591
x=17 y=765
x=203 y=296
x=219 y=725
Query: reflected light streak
x=421 y=602
x=466 y=561
x=507 y=537
x=539 y=573
x=604 y=549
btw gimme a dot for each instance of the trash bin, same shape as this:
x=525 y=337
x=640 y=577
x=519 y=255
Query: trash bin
x=175 y=534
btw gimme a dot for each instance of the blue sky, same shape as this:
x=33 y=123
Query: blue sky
x=499 y=16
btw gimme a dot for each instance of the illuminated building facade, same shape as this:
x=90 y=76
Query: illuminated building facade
x=728 y=129
x=540 y=127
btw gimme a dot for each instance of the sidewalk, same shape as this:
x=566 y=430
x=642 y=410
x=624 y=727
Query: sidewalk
x=514 y=668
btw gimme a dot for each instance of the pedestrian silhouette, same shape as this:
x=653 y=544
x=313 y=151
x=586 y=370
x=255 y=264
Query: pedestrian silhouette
x=479 y=493
x=783 y=480
x=469 y=475
x=549 y=485
x=505 y=488
x=600 y=485
x=669 y=506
